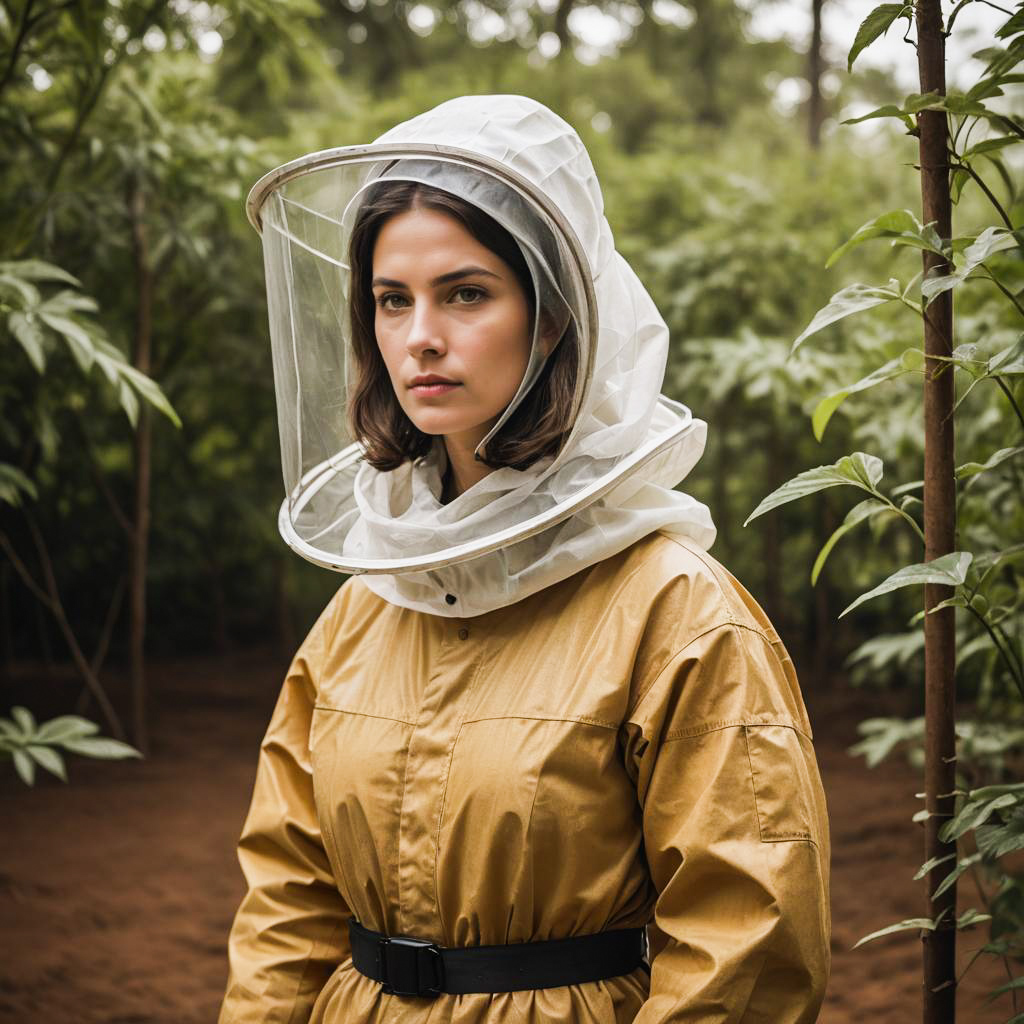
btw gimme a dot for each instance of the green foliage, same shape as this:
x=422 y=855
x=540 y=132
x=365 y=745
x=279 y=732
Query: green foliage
x=38 y=325
x=28 y=743
x=876 y=24
x=985 y=575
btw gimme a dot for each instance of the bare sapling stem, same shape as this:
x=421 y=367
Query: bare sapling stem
x=939 y=526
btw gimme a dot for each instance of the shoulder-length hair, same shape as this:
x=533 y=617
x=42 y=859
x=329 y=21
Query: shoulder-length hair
x=540 y=423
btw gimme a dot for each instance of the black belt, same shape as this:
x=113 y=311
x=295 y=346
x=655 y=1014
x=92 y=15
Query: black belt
x=415 y=967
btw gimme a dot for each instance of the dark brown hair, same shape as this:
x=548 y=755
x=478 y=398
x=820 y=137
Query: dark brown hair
x=537 y=427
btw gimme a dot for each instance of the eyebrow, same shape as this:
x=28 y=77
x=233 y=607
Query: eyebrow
x=452 y=275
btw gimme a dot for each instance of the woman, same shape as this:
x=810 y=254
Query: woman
x=539 y=721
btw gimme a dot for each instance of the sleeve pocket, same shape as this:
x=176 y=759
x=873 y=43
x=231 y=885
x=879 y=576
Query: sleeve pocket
x=782 y=773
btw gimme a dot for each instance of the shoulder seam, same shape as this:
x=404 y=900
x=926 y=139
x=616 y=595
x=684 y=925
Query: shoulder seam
x=731 y=622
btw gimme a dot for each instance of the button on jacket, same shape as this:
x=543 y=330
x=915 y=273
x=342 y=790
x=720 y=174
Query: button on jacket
x=626 y=747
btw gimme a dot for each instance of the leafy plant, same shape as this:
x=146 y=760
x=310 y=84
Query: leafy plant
x=29 y=744
x=984 y=573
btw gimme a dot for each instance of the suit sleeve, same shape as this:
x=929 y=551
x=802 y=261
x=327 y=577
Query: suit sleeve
x=735 y=834
x=289 y=933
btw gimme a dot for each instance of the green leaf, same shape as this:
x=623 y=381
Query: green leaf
x=1009 y=362
x=25 y=720
x=38 y=270
x=991 y=240
x=106 y=749
x=969 y=469
x=75 y=335
x=64 y=727
x=883 y=735
x=999 y=840
x=978 y=808
x=26 y=329
x=49 y=759
x=911 y=924
x=856 y=515
x=13 y=483
x=887 y=110
x=827 y=406
x=971 y=917
x=936 y=283
x=858 y=469
x=150 y=391
x=877 y=23
x=989 y=145
x=954 y=875
x=913 y=104
x=128 y=401
x=948 y=570
x=896 y=222
x=855 y=298
x=25 y=766
x=69 y=302
x=29 y=293
x=925 y=868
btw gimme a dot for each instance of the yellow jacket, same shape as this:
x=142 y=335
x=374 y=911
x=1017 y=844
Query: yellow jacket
x=626 y=747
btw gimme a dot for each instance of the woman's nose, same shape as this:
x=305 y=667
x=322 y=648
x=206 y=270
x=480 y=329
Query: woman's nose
x=426 y=334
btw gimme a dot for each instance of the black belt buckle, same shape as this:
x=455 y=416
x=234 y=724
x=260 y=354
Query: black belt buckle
x=410 y=967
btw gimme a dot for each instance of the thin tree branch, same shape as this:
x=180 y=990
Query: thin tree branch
x=101 y=482
x=995 y=280
x=19 y=40
x=22 y=570
x=89 y=105
x=980 y=182
x=57 y=608
x=113 y=609
x=999 y=647
x=1009 y=394
x=27 y=25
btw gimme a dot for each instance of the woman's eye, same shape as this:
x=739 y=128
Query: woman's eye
x=469 y=293
x=388 y=299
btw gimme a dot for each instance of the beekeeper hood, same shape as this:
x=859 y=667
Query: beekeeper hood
x=515 y=531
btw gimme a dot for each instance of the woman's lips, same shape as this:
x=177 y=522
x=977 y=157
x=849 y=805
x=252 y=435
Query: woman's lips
x=434 y=388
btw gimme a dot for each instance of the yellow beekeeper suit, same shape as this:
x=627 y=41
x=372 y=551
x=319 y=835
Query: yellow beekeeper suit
x=544 y=711
x=626 y=746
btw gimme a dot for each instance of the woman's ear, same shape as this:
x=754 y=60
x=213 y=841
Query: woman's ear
x=550 y=335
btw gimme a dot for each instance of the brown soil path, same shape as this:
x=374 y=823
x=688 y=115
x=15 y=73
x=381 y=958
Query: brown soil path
x=117 y=890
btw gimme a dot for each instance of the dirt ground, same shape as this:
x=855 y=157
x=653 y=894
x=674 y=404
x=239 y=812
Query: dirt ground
x=117 y=890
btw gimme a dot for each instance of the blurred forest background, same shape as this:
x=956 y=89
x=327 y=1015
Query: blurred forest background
x=138 y=519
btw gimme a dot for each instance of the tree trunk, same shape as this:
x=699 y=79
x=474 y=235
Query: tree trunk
x=141 y=360
x=939 y=528
x=706 y=60
x=562 y=13
x=815 y=65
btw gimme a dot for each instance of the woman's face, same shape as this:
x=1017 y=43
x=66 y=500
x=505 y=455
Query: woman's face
x=452 y=324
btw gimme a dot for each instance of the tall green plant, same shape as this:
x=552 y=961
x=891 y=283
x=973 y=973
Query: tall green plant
x=983 y=576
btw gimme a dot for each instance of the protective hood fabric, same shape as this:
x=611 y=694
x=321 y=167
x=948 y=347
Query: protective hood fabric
x=516 y=531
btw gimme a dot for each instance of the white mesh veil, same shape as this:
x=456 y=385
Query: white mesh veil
x=515 y=531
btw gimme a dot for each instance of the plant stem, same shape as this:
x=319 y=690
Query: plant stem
x=999 y=647
x=1013 y=298
x=980 y=182
x=49 y=597
x=1009 y=395
x=939 y=498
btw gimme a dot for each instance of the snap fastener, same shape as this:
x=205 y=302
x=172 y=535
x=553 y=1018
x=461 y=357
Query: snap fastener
x=463 y=633
x=450 y=598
